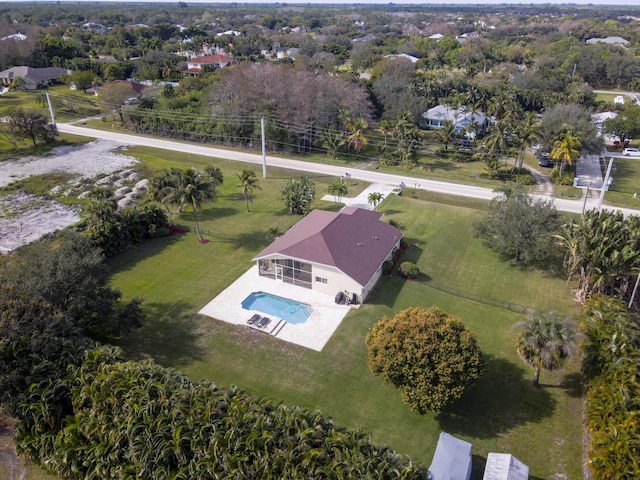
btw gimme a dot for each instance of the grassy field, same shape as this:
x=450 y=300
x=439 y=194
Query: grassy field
x=503 y=412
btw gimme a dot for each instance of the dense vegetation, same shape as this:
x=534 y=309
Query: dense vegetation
x=427 y=354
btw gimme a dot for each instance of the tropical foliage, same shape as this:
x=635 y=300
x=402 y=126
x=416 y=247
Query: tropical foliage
x=338 y=189
x=248 y=183
x=113 y=230
x=546 y=340
x=427 y=354
x=611 y=363
x=519 y=225
x=109 y=419
x=298 y=195
x=602 y=251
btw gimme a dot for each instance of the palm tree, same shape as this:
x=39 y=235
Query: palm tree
x=248 y=182
x=375 y=198
x=447 y=133
x=338 y=190
x=190 y=188
x=528 y=132
x=566 y=148
x=356 y=139
x=545 y=341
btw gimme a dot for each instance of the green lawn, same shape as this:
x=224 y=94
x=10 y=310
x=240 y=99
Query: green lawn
x=177 y=276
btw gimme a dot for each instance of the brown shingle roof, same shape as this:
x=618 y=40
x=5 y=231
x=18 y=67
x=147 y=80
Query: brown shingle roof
x=355 y=241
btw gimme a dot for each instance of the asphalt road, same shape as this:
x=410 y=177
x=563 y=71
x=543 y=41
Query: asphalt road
x=575 y=206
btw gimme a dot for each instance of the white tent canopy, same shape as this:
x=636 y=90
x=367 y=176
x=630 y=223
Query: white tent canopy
x=503 y=466
x=452 y=459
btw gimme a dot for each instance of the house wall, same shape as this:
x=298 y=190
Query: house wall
x=336 y=281
x=376 y=276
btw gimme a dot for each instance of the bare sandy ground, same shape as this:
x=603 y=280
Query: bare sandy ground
x=25 y=218
x=85 y=160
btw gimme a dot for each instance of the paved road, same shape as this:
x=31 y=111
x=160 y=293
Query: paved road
x=566 y=205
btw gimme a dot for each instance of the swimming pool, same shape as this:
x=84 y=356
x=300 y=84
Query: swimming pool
x=288 y=310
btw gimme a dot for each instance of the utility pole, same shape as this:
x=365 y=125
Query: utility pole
x=264 y=150
x=53 y=118
x=585 y=197
x=605 y=184
x=635 y=289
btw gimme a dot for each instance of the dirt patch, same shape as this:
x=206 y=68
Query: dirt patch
x=25 y=218
x=94 y=158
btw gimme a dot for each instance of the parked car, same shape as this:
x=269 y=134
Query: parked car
x=631 y=152
x=546 y=161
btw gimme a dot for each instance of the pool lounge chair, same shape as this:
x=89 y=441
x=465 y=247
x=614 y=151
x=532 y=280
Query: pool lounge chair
x=254 y=319
x=264 y=322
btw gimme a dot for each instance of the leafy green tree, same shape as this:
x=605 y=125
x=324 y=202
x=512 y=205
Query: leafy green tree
x=248 y=182
x=190 y=188
x=298 y=195
x=625 y=125
x=332 y=141
x=83 y=79
x=112 y=98
x=545 y=342
x=528 y=131
x=68 y=273
x=428 y=355
x=29 y=124
x=519 y=225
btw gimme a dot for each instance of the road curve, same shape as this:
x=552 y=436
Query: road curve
x=575 y=206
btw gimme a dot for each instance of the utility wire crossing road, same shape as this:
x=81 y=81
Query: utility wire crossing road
x=575 y=206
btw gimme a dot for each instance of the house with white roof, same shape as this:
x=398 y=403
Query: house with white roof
x=332 y=252
x=461 y=117
x=609 y=40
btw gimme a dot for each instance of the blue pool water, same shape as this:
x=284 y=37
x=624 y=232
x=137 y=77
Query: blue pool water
x=288 y=310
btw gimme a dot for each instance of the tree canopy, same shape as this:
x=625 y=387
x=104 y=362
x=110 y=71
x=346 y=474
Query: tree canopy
x=519 y=225
x=427 y=354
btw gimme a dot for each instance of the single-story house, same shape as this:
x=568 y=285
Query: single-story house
x=32 y=78
x=461 y=117
x=195 y=65
x=332 y=252
x=451 y=460
x=503 y=466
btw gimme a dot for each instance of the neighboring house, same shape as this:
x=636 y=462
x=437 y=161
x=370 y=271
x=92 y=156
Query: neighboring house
x=598 y=120
x=32 y=78
x=15 y=36
x=462 y=117
x=195 y=65
x=411 y=58
x=609 y=40
x=332 y=252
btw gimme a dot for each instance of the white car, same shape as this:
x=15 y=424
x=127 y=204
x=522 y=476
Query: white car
x=631 y=152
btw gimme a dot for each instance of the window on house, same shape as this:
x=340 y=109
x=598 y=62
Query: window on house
x=321 y=280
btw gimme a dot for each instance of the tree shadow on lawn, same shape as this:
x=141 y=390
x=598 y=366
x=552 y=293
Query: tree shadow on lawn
x=439 y=164
x=169 y=335
x=501 y=400
x=253 y=240
x=212 y=213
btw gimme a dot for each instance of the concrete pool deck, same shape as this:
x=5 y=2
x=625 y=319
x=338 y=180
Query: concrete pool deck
x=314 y=333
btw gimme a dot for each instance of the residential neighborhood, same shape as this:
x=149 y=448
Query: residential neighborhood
x=319 y=240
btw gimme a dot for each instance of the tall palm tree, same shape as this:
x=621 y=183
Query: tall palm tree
x=191 y=188
x=545 y=341
x=566 y=148
x=248 y=182
x=528 y=131
x=357 y=139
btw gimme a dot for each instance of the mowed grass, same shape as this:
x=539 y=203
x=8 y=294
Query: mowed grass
x=177 y=276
